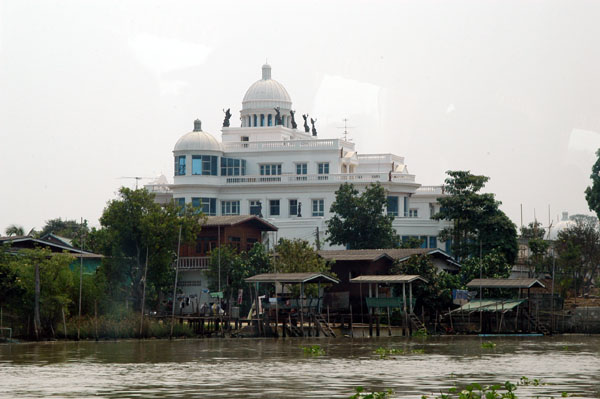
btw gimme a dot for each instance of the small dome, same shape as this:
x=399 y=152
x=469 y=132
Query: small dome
x=266 y=93
x=197 y=141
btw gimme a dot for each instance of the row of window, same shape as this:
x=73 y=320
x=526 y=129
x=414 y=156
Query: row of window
x=426 y=241
x=206 y=165
x=232 y=207
x=260 y=120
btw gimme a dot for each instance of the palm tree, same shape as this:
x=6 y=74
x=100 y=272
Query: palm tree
x=14 y=230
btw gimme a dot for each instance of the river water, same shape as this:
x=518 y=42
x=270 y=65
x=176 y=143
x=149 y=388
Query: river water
x=270 y=368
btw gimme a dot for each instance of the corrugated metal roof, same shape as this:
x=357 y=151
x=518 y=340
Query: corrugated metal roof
x=505 y=283
x=292 y=278
x=490 y=305
x=236 y=219
x=372 y=254
x=391 y=278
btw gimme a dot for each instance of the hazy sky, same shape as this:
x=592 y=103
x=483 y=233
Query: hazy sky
x=91 y=91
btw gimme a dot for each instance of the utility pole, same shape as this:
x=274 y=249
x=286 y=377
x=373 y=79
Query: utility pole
x=175 y=286
x=80 y=278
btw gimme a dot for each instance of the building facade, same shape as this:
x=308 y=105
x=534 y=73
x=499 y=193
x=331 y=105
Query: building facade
x=276 y=166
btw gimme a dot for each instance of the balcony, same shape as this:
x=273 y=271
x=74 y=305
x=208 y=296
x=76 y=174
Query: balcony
x=320 y=179
x=193 y=263
x=430 y=190
x=286 y=145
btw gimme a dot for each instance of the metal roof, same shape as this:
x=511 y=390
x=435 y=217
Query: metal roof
x=399 y=254
x=392 y=278
x=505 y=283
x=490 y=305
x=294 y=278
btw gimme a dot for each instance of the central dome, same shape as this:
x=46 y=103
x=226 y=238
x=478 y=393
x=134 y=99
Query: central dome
x=266 y=93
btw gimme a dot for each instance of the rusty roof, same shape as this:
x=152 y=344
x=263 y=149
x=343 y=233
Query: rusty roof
x=505 y=283
x=391 y=278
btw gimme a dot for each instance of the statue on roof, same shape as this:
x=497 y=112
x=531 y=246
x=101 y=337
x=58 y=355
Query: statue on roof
x=277 y=116
x=227 y=117
x=294 y=124
x=306 y=128
x=314 y=129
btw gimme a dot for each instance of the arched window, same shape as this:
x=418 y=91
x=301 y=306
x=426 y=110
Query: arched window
x=262 y=119
x=255 y=123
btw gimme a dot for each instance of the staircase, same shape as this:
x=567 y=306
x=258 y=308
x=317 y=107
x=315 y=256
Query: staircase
x=539 y=326
x=416 y=322
x=324 y=326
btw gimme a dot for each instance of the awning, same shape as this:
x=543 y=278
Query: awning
x=490 y=305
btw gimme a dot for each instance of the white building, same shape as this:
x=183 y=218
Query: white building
x=287 y=175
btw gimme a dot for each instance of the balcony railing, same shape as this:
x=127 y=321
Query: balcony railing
x=439 y=190
x=286 y=145
x=193 y=263
x=320 y=179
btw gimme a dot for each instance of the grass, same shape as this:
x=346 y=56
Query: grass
x=313 y=350
x=488 y=345
x=372 y=395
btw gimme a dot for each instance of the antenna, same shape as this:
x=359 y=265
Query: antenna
x=346 y=127
x=137 y=179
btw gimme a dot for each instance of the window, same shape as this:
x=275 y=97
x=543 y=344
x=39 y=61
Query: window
x=432 y=242
x=448 y=246
x=250 y=243
x=293 y=207
x=323 y=169
x=405 y=207
x=181 y=204
x=270 y=120
x=230 y=207
x=270 y=169
x=180 y=165
x=301 y=169
x=233 y=167
x=413 y=213
x=256 y=208
x=235 y=242
x=245 y=138
x=392 y=206
x=423 y=241
x=208 y=205
x=274 y=208
x=205 y=165
x=255 y=123
x=262 y=119
x=318 y=207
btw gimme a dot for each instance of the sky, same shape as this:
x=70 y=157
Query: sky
x=95 y=91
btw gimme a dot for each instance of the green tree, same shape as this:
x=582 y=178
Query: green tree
x=436 y=294
x=592 y=193
x=533 y=230
x=360 y=220
x=236 y=267
x=133 y=225
x=493 y=265
x=411 y=242
x=14 y=230
x=578 y=248
x=55 y=282
x=71 y=229
x=476 y=218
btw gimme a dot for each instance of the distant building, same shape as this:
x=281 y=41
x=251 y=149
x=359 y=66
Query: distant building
x=56 y=244
x=275 y=165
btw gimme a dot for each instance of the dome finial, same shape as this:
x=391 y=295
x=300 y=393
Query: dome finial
x=197 y=125
x=266 y=72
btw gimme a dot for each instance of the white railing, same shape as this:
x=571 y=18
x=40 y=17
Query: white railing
x=430 y=190
x=193 y=263
x=284 y=145
x=318 y=179
x=378 y=158
x=157 y=188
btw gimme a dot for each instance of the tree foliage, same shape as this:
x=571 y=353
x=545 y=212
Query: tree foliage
x=436 y=294
x=360 y=220
x=533 y=230
x=133 y=225
x=71 y=229
x=14 y=230
x=236 y=267
x=476 y=218
x=578 y=248
x=592 y=193
x=493 y=265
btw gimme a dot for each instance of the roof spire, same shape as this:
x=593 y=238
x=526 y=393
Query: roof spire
x=266 y=72
x=197 y=125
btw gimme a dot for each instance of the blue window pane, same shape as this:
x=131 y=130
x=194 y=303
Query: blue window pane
x=392 y=205
x=270 y=120
x=432 y=242
x=180 y=165
x=196 y=164
x=423 y=241
x=262 y=119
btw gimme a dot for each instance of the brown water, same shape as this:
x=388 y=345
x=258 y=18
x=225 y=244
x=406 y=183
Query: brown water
x=269 y=368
